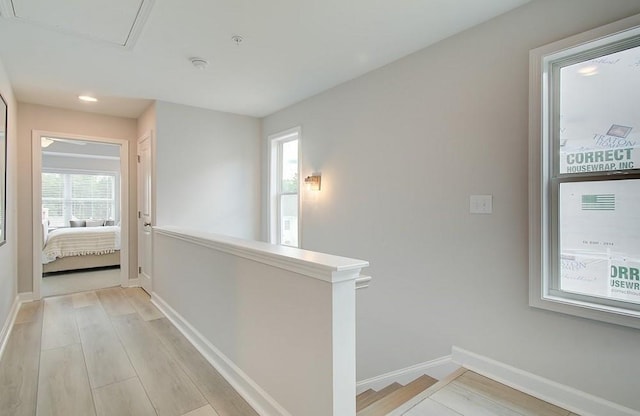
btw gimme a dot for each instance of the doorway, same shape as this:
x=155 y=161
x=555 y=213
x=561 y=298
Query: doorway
x=80 y=213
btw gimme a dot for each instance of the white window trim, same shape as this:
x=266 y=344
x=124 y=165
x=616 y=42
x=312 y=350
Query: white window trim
x=539 y=175
x=273 y=142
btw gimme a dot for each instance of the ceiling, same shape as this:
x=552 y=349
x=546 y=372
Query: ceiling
x=129 y=52
x=70 y=147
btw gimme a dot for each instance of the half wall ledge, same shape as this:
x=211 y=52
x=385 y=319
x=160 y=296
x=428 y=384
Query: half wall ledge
x=278 y=323
x=326 y=267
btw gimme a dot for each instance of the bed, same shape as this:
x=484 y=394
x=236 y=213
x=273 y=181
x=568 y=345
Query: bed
x=80 y=248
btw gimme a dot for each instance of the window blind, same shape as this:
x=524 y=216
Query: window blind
x=67 y=196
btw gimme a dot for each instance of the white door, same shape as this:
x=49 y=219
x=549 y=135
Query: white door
x=144 y=212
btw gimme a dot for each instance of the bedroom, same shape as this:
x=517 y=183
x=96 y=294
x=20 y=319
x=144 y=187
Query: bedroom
x=80 y=215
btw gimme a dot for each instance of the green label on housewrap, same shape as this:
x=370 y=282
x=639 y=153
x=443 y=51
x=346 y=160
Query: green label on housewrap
x=625 y=280
x=599 y=160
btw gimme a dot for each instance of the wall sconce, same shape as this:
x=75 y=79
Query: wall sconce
x=312 y=182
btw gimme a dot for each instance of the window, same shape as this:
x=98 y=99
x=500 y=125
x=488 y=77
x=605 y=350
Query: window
x=285 y=185
x=78 y=195
x=585 y=165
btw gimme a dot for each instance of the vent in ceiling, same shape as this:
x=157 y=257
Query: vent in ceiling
x=117 y=22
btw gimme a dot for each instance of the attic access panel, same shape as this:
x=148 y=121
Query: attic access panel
x=113 y=21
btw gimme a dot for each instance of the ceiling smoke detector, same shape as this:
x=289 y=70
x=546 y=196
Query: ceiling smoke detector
x=237 y=39
x=199 y=63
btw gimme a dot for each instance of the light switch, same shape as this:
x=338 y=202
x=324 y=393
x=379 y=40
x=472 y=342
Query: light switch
x=481 y=204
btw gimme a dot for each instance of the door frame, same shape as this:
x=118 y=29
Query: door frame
x=147 y=135
x=36 y=165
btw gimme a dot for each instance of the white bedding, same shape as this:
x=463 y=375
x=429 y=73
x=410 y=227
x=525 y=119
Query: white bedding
x=80 y=241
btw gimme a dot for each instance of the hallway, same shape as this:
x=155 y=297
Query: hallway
x=107 y=352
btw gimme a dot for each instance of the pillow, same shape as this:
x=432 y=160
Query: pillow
x=45 y=232
x=95 y=223
x=109 y=223
x=78 y=223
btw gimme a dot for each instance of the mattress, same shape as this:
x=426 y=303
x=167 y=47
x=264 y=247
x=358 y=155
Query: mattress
x=80 y=241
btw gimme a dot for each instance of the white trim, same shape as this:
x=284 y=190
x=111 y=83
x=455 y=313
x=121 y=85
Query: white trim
x=272 y=181
x=26 y=297
x=36 y=218
x=438 y=369
x=257 y=398
x=81 y=171
x=320 y=266
x=36 y=170
x=362 y=281
x=8 y=324
x=133 y=283
x=146 y=277
x=79 y=155
x=550 y=391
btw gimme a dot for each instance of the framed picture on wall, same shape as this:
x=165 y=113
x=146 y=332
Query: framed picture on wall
x=3 y=171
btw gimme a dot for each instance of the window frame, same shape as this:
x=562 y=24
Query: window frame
x=275 y=143
x=68 y=199
x=545 y=180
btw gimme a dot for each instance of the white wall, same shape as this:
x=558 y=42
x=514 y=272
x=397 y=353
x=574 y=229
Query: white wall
x=9 y=251
x=400 y=151
x=207 y=170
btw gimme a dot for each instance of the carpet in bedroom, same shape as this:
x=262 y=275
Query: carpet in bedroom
x=62 y=284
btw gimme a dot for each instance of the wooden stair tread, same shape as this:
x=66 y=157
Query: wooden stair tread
x=365 y=393
x=374 y=396
x=397 y=397
x=363 y=399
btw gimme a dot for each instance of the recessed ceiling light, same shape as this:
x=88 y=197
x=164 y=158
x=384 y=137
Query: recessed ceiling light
x=87 y=98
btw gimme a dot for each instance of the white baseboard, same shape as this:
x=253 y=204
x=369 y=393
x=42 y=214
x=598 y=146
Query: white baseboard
x=8 y=324
x=438 y=369
x=25 y=297
x=559 y=394
x=133 y=282
x=260 y=400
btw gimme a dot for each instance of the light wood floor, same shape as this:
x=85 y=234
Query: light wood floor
x=467 y=393
x=107 y=352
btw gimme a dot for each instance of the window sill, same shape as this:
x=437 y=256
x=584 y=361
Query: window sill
x=587 y=310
